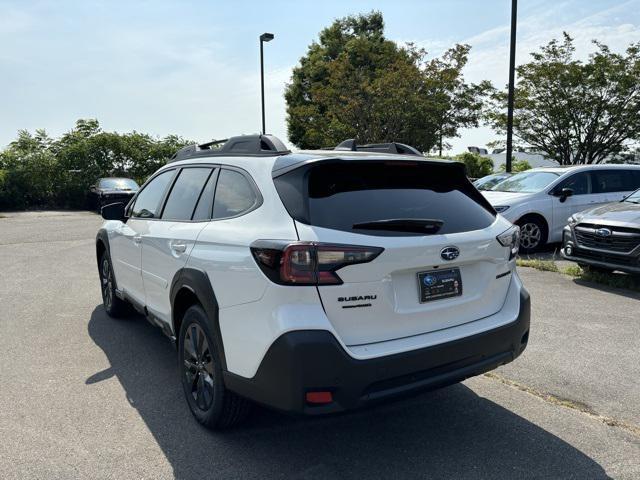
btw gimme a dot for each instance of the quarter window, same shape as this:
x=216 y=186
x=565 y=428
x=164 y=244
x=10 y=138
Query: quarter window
x=185 y=193
x=147 y=203
x=234 y=195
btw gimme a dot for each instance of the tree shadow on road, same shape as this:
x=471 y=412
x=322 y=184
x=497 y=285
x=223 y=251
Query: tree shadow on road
x=449 y=433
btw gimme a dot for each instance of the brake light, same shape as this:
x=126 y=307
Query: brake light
x=308 y=263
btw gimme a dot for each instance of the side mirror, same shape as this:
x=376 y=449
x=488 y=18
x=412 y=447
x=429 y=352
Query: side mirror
x=563 y=194
x=113 y=211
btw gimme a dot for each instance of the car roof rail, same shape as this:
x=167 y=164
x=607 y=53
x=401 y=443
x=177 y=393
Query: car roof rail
x=392 y=147
x=242 y=145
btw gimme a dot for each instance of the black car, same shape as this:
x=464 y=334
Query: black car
x=111 y=190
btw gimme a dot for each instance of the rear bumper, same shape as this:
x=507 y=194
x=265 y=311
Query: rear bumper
x=313 y=360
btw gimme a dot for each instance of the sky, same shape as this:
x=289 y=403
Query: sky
x=192 y=67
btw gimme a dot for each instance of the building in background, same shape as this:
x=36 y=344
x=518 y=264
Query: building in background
x=498 y=156
x=537 y=159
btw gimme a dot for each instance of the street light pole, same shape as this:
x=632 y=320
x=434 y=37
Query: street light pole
x=265 y=37
x=512 y=74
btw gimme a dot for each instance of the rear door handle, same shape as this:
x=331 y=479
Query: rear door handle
x=137 y=239
x=178 y=247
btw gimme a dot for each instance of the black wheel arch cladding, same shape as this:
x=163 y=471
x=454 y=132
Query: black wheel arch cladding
x=102 y=238
x=197 y=282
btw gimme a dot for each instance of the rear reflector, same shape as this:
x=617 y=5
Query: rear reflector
x=319 y=397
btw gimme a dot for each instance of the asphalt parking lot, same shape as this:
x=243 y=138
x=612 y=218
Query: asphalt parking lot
x=85 y=396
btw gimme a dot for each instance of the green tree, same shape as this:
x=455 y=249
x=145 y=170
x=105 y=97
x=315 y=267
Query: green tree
x=454 y=103
x=36 y=170
x=575 y=112
x=516 y=165
x=355 y=83
x=476 y=165
x=31 y=172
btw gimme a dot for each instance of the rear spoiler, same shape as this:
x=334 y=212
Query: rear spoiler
x=288 y=163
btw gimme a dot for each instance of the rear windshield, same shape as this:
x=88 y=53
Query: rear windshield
x=359 y=196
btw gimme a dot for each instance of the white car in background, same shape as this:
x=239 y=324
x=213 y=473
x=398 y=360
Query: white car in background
x=542 y=199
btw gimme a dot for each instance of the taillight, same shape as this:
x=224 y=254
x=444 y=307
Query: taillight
x=510 y=238
x=308 y=263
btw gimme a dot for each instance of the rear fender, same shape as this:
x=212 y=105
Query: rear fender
x=197 y=281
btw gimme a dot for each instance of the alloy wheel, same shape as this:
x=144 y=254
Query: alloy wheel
x=107 y=283
x=198 y=367
x=530 y=235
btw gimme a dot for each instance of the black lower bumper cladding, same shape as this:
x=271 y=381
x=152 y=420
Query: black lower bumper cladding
x=312 y=360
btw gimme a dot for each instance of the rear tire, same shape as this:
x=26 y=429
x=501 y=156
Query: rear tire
x=533 y=234
x=114 y=306
x=200 y=369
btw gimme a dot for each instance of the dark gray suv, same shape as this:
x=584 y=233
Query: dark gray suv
x=606 y=238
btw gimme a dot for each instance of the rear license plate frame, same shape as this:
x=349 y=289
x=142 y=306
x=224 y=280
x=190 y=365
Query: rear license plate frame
x=439 y=284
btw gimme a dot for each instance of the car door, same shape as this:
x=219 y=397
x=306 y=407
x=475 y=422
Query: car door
x=126 y=242
x=167 y=243
x=563 y=208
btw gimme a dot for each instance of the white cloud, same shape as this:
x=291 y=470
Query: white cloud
x=14 y=20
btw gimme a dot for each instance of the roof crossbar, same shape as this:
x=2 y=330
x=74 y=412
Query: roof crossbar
x=393 y=147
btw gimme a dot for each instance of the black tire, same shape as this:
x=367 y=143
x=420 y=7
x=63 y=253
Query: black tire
x=533 y=234
x=114 y=306
x=210 y=402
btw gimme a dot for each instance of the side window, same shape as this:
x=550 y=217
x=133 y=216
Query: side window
x=578 y=182
x=185 y=193
x=147 y=203
x=606 y=181
x=205 y=204
x=234 y=195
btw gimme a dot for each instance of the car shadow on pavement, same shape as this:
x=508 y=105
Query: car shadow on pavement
x=449 y=433
x=608 y=289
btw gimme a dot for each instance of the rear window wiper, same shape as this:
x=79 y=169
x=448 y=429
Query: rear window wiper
x=427 y=226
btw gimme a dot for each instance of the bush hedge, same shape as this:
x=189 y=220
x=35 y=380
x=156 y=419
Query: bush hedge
x=37 y=171
x=476 y=165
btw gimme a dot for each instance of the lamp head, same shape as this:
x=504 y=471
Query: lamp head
x=266 y=37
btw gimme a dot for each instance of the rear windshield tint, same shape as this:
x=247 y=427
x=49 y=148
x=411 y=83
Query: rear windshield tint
x=342 y=195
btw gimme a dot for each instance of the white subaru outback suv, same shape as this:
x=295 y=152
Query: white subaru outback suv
x=315 y=282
